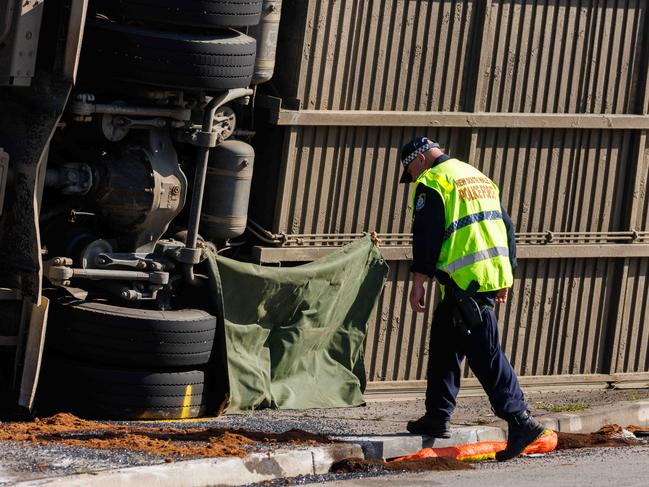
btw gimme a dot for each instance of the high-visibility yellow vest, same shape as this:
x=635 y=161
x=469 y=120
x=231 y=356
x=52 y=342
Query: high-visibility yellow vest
x=475 y=243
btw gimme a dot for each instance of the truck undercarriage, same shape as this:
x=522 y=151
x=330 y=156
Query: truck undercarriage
x=104 y=196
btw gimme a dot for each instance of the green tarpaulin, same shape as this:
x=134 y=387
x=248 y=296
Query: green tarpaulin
x=294 y=335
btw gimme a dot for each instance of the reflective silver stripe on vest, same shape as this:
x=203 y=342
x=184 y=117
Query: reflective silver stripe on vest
x=476 y=257
x=465 y=221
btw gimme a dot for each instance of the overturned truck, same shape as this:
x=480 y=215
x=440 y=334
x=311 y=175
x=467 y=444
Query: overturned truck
x=124 y=125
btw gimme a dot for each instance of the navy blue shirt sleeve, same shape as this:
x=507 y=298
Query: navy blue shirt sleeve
x=511 y=238
x=427 y=230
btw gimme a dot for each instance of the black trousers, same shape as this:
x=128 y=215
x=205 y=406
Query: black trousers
x=448 y=347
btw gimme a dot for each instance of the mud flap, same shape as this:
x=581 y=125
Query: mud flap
x=33 y=353
x=27 y=122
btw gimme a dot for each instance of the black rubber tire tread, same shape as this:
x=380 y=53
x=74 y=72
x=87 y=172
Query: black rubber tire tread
x=122 y=394
x=119 y=336
x=179 y=60
x=198 y=13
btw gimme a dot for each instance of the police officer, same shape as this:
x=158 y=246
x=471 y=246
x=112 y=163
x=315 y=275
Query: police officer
x=463 y=237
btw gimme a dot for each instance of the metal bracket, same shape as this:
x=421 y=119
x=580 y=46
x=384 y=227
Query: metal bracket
x=190 y=256
x=203 y=139
x=20 y=26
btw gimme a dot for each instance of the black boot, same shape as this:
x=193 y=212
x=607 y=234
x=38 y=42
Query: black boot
x=429 y=425
x=523 y=430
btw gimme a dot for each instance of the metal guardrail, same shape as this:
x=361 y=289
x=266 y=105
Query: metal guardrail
x=529 y=238
x=397 y=246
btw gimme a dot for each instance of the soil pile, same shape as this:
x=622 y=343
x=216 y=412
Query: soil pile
x=609 y=435
x=358 y=465
x=429 y=464
x=60 y=424
x=67 y=429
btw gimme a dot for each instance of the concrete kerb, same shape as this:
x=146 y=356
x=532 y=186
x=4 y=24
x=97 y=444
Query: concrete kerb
x=256 y=467
x=391 y=446
x=397 y=445
x=623 y=413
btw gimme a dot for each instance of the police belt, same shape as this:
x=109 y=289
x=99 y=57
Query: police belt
x=467 y=313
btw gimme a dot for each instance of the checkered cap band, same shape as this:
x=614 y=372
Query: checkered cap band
x=420 y=150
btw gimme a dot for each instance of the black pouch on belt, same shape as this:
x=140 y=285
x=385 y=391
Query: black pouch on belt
x=467 y=313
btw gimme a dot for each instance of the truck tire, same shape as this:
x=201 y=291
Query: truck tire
x=112 y=393
x=178 y=60
x=198 y=13
x=114 y=335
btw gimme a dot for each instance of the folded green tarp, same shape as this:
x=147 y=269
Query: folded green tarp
x=294 y=335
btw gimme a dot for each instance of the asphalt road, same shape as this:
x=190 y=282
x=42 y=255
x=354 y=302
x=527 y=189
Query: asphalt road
x=606 y=467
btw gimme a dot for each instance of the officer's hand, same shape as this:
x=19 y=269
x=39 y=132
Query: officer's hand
x=502 y=295
x=418 y=298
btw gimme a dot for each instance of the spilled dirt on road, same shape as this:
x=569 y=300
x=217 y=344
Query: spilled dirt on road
x=608 y=436
x=67 y=429
x=173 y=443
x=359 y=465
